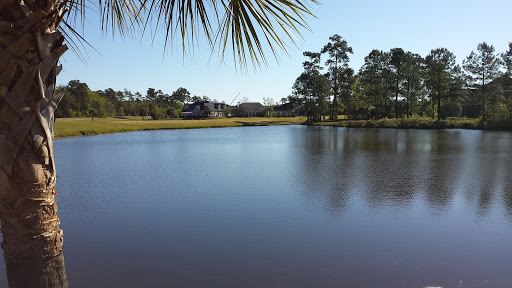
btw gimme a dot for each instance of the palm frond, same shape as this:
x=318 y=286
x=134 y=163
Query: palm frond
x=76 y=42
x=119 y=16
x=247 y=25
x=74 y=16
x=116 y=16
x=242 y=22
x=272 y=16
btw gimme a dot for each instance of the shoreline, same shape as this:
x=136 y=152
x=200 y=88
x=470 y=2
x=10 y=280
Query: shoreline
x=420 y=123
x=78 y=127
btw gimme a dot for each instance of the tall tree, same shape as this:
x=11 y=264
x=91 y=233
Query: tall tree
x=483 y=67
x=412 y=79
x=388 y=88
x=507 y=60
x=80 y=90
x=268 y=101
x=31 y=46
x=161 y=97
x=181 y=95
x=338 y=51
x=151 y=94
x=138 y=100
x=372 y=79
x=311 y=88
x=456 y=92
x=243 y=100
x=362 y=101
x=439 y=66
x=110 y=94
x=507 y=82
x=397 y=63
x=195 y=98
x=119 y=96
x=345 y=81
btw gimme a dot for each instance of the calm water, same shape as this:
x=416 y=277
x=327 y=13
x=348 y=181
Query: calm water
x=287 y=207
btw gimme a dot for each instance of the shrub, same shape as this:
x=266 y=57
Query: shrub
x=369 y=124
x=498 y=116
x=157 y=113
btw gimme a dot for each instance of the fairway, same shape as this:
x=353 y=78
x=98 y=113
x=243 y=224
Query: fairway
x=70 y=127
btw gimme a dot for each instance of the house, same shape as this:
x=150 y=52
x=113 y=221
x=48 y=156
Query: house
x=218 y=110
x=199 y=109
x=289 y=109
x=269 y=110
x=251 y=109
x=185 y=111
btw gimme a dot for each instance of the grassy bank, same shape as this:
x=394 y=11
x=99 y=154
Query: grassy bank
x=413 y=123
x=69 y=127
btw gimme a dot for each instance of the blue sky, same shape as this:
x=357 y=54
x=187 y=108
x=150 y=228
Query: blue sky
x=416 y=26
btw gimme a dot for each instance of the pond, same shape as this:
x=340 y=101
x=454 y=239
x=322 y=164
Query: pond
x=286 y=206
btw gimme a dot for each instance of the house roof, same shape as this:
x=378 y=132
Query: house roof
x=202 y=104
x=251 y=107
x=287 y=107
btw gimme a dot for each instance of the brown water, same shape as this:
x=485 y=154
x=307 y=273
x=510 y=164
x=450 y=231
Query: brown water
x=287 y=207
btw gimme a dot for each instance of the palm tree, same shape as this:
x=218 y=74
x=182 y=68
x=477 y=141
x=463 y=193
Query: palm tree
x=32 y=36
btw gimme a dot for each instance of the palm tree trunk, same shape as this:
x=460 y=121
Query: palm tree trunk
x=30 y=47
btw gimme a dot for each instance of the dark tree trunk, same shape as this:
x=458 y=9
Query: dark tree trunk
x=376 y=117
x=408 y=97
x=483 y=97
x=433 y=107
x=439 y=106
x=348 y=107
x=335 y=97
x=396 y=94
x=30 y=47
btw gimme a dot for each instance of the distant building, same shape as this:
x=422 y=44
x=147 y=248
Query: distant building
x=269 y=110
x=289 y=109
x=199 y=109
x=251 y=109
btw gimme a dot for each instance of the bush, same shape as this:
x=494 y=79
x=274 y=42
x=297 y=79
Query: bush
x=428 y=123
x=355 y=124
x=172 y=113
x=497 y=116
x=369 y=124
x=157 y=113
x=468 y=124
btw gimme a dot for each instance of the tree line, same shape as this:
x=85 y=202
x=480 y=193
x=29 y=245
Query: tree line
x=80 y=101
x=403 y=84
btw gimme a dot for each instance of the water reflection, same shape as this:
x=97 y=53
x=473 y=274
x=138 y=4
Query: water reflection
x=323 y=167
x=417 y=195
x=507 y=196
x=287 y=207
x=387 y=166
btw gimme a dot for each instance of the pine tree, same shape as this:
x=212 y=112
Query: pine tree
x=482 y=68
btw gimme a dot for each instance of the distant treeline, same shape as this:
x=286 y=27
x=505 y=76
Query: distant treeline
x=80 y=101
x=402 y=84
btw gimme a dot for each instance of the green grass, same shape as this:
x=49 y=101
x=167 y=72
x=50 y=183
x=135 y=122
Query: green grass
x=70 y=127
x=411 y=123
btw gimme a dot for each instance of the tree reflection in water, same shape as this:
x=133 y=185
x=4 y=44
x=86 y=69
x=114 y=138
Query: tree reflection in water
x=390 y=166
